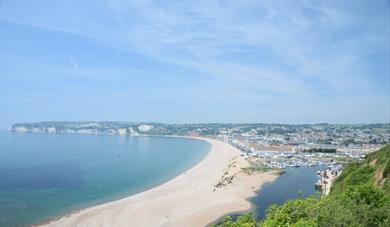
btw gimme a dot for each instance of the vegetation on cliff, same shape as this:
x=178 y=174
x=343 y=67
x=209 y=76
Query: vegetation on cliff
x=359 y=197
x=373 y=171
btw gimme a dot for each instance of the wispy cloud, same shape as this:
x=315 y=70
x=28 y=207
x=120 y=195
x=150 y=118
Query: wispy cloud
x=251 y=51
x=74 y=63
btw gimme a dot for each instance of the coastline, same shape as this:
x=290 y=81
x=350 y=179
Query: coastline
x=212 y=188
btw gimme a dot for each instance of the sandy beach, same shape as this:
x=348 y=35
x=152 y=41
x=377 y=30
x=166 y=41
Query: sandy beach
x=212 y=188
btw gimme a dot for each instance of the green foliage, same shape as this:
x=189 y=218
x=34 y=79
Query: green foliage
x=364 y=173
x=291 y=213
x=355 y=200
x=353 y=174
x=321 y=150
x=242 y=221
x=365 y=195
x=386 y=170
x=357 y=206
x=381 y=156
x=256 y=167
x=349 y=141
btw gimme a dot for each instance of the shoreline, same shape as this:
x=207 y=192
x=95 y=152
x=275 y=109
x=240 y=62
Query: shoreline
x=209 y=190
x=76 y=211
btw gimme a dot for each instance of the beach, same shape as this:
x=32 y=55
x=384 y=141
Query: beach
x=214 y=187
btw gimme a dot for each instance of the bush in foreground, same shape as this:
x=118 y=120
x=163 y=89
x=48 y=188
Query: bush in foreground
x=357 y=206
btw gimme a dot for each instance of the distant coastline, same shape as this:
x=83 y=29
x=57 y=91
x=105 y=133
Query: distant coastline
x=194 y=192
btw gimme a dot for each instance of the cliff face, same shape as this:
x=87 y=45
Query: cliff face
x=374 y=170
x=121 y=128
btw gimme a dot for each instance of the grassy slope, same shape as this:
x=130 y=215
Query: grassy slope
x=374 y=170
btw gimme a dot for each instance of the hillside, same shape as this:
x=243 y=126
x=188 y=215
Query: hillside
x=373 y=171
x=360 y=196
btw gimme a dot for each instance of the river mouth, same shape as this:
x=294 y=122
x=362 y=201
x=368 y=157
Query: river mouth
x=292 y=184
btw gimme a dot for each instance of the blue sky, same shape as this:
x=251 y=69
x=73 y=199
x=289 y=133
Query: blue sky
x=200 y=61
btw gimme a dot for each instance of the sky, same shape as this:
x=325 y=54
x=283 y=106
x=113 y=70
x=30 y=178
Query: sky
x=195 y=61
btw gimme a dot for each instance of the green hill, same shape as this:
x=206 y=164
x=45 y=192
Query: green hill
x=360 y=196
x=373 y=171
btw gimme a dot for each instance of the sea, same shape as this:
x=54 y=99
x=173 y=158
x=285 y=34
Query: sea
x=46 y=176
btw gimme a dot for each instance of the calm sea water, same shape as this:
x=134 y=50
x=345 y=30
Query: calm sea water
x=294 y=182
x=43 y=176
